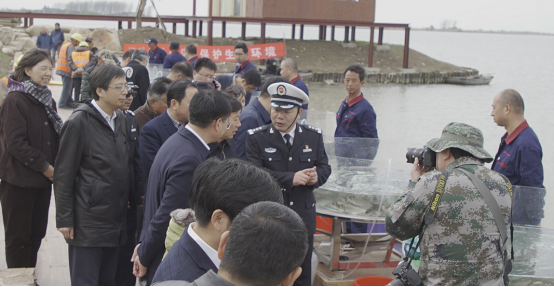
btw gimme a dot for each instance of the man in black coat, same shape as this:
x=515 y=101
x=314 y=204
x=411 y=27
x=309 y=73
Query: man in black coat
x=294 y=155
x=169 y=180
x=137 y=73
x=91 y=182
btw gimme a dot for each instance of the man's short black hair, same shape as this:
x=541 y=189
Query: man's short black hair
x=176 y=90
x=236 y=105
x=267 y=241
x=231 y=185
x=128 y=54
x=200 y=173
x=174 y=45
x=94 y=50
x=191 y=49
x=158 y=88
x=102 y=76
x=184 y=68
x=243 y=47
x=356 y=69
x=205 y=62
x=272 y=80
x=208 y=106
x=252 y=77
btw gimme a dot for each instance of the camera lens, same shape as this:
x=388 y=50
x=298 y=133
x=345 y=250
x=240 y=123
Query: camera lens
x=413 y=153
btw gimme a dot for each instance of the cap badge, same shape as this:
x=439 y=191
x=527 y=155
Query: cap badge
x=281 y=90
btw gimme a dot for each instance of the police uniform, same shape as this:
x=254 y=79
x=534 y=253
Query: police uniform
x=266 y=147
x=124 y=275
x=462 y=245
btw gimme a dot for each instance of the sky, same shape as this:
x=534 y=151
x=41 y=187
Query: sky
x=508 y=15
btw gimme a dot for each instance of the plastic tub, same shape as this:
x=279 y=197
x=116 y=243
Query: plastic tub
x=372 y=281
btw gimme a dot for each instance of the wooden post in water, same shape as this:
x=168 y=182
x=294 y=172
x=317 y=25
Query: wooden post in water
x=175 y=28
x=346 y=32
x=333 y=33
x=370 y=56
x=200 y=26
x=129 y=25
x=243 y=32
x=186 y=28
x=293 y=32
x=193 y=28
x=120 y=25
x=406 y=47
x=262 y=38
x=302 y=32
x=381 y=30
x=223 y=24
x=353 y=37
x=210 y=33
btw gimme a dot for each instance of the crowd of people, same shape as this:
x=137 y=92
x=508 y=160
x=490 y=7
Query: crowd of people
x=188 y=179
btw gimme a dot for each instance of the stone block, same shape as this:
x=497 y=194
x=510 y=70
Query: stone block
x=246 y=42
x=408 y=71
x=1 y=45
x=349 y=45
x=84 y=32
x=106 y=39
x=66 y=29
x=34 y=31
x=382 y=48
x=28 y=44
x=17 y=277
x=18 y=45
x=6 y=35
x=372 y=70
x=8 y=50
x=18 y=34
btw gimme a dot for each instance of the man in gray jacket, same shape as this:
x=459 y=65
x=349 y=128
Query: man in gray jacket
x=92 y=180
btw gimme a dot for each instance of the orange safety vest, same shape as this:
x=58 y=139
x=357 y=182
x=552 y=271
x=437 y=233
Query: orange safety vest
x=63 y=65
x=5 y=79
x=80 y=59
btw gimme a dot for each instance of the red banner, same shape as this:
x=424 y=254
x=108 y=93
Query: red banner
x=225 y=53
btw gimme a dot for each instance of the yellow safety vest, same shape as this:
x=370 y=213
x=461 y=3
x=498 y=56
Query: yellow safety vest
x=80 y=59
x=63 y=65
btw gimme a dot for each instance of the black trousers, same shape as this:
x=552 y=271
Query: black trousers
x=124 y=275
x=25 y=214
x=92 y=266
x=77 y=87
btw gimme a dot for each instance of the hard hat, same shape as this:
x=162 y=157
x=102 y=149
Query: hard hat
x=77 y=37
x=83 y=44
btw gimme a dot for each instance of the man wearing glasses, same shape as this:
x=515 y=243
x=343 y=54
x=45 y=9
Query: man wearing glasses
x=204 y=70
x=92 y=180
x=171 y=172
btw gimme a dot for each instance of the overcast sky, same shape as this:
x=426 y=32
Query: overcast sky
x=508 y=15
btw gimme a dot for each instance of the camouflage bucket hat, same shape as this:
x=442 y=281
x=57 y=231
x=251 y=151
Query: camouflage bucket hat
x=462 y=136
x=106 y=56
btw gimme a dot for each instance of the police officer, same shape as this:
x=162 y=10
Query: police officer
x=462 y=245
x=294 y=155
x=124 y=275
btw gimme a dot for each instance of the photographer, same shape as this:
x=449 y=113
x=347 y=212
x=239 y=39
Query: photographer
x=462 y=245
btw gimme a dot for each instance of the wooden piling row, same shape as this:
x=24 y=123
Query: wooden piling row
x=437 y=77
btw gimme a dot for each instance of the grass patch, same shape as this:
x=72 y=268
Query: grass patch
x=5 y=64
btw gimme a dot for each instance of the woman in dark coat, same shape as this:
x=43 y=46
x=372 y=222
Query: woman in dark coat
x=29 y=135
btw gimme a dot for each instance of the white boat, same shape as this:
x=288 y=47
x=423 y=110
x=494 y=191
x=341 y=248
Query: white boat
x=471 y=80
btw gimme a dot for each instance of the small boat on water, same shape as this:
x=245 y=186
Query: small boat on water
x=471 y=80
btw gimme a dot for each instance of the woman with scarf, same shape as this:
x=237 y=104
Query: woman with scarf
x=29 y=138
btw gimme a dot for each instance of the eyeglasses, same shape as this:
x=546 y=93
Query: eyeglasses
x=228 y=123
x=207 y=76
x=121 y=89
x=131 y=94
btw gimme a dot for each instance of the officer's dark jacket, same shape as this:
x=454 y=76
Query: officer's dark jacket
x=136 y=173
x=224 y=149
x=138 y=74
x=252 y=116
x=266 y=148
x=91 y=182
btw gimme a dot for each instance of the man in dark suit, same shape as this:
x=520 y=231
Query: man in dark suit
x=294 y=155
x=227 y=188
x=137 y=73
x=157 y=131
x=170 y=176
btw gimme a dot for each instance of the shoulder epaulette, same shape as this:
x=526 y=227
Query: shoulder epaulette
x=312 y=128
x=257 y=130
x=130 y=112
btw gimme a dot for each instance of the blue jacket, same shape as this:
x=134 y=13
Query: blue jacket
x=297 y=82
x=252 y=116
x=152 y=136
x=225 y=81
x=185 y=261
x=240 y=69
x=192 y=61
x=44 y=41
x=57 y=37
x=172 y=59
x=356 y=118
x=167 y=189
x=519 y=158
x=157 y=56
x=224 y=149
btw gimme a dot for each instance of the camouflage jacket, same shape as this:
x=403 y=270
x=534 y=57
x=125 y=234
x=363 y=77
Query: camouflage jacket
x=462 y=245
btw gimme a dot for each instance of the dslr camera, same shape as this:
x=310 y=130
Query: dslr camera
x=405 y=276
x=426 y=156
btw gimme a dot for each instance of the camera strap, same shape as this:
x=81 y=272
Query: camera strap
x=432 y=209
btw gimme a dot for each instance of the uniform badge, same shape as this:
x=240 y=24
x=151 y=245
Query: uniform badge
x=270 y=150
x=281 y=90
x=307 y=149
